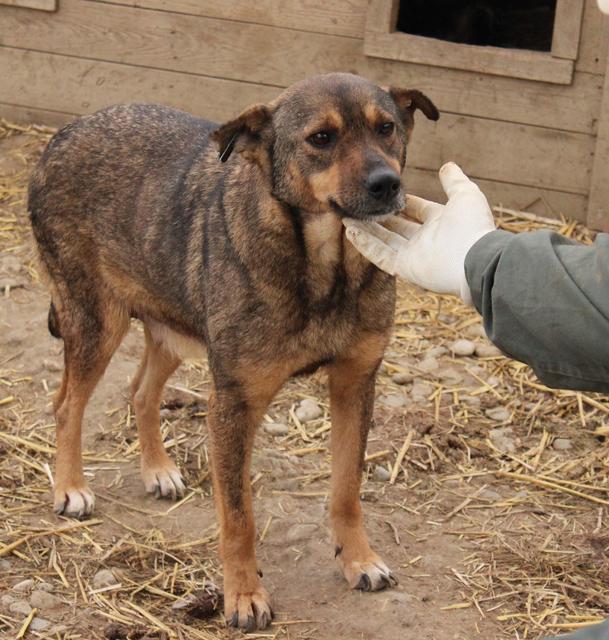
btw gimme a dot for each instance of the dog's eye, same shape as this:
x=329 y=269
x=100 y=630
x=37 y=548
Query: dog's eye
x=386 y=129
x=320 y=139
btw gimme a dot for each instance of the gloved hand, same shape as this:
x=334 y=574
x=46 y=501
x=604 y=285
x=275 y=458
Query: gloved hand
x=432 y=254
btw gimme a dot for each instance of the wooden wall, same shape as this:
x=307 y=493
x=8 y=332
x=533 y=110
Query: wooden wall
x=530 y=144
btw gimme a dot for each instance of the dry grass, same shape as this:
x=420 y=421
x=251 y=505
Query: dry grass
x=533 y=518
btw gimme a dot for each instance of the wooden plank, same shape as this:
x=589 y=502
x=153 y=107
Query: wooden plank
x=502 y=151
x=544 y=202
x=598 y=204
x=530 y=65
x=567 y=28
x=27 y=115
x=505 y=152
x=265 y=55
x=594 y=40
x=42 y=5
x=336 y=17
x=87 y=86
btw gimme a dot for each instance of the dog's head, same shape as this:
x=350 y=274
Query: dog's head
x=334 y=142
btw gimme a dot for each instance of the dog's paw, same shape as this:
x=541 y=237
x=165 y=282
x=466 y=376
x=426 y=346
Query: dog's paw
x=74 y=502
x=370 y=575
x=248 y=611
x=163 y=481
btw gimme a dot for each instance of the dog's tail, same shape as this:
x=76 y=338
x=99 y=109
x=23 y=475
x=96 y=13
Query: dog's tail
x=53 y=322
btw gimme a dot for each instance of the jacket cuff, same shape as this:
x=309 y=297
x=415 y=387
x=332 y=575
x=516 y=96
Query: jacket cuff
x=481 y=259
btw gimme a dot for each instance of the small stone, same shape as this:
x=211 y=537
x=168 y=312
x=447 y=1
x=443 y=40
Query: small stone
x=7 y=600
x=5 y=565
x=503 y=440
x=51 y=365
x=476 y=331
x=45 y=586
x=450 y=376
x=308 y=410
x=436 y=352
x=58 y=630
x=562 y=444
x=104 y=578
x=463 y=347
x=489 y=494
x=392 y=400
x=39 y=624
x=300 y=532
x=420 y=391
x=500 y=414
x=276 y=428
x=487 y=351
x=24 y=585
x=44 y=600
x=380 y=474
x=471 y=401
x=20 y=607
x=403 y=377
x=429 y=365
x=10 y=264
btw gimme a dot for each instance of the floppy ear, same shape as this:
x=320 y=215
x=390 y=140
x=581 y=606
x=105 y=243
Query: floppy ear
x=245 y=134
x=409 y=100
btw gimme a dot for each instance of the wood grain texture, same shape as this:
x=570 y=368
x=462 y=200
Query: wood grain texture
x=532 y=156
x=594 y=40
x=42 y=5
x=88 y=85
x=266 y=55
x=567 y=28
x=27 y=115
x=544 y=202
x=335 y=17
x=598 y=202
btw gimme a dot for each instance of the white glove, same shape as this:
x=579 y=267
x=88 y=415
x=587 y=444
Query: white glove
x=432 y=254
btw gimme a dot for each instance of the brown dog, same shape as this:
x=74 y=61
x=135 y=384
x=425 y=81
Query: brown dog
x=135 y=216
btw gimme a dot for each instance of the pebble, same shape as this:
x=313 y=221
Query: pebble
x=503 y=439
x=436 y=352
x=489 y=494
x=463 y=347
x=476 y=331
x=420 y=391
x=381 y=474
x=5 y=565
x=7 y=600
x=10 y=265
x=471 y=401
x=393 y=400
x=500 y=414
x=104 y=578
x=562 y=444
x=450 y=376
x=39 y=624
x=429 y=365
x=402 y=377
x=45 y=586
x=51 y=365
x=21 y=607
x=24 y=585
x=276 y=428
x=308 y=410
x=487 y=351
x=299 y=532
x=44 y=600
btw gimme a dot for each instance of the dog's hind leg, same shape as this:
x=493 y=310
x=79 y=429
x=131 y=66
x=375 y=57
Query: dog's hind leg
x=160 y=474
x=235 y=409
x=351 y=403
x=90 y=338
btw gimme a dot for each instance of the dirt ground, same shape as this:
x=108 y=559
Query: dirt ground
x=494 y=523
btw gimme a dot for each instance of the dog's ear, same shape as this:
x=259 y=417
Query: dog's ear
x=245 y=134
x=409 y=100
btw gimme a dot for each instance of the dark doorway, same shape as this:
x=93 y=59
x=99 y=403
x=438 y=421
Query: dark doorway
x=512 y=24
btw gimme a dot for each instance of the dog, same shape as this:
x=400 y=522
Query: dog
x=227 y=240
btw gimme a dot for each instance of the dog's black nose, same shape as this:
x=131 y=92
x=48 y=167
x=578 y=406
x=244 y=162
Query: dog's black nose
x=383 y=184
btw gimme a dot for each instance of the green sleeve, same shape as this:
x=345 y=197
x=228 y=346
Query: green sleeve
x=544 y=300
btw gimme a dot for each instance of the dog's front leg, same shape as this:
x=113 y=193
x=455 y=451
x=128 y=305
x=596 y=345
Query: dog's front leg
x=352 y=397
x=233 y=418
